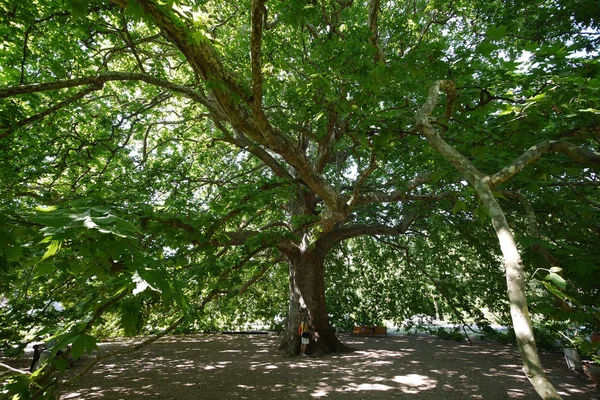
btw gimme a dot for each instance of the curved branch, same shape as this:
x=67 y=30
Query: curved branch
x=236 y=238
x=513 y=264
x=578 y=193
x=576 y=153
x=99 y=80
x=532 y=225
x=325 y=145
x=129 y=42
x=7 y=130
x=196 y=48
x=350 y=231
x=230 y=97
x=254 y=279
x=25 y=39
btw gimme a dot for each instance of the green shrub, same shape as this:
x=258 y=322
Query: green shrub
x=418 y=322
x=507 y=337
x=546 y=338
x=453 y=334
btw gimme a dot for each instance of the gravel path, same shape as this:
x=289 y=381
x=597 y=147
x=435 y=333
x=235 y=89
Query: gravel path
x=250 y=367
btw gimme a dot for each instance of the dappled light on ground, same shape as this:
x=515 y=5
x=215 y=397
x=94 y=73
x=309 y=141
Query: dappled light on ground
x=250 y=367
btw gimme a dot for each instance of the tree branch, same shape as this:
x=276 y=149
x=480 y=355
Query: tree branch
x=397 y=195
x=18 y=371
x=254 y=279
x=578 y=193
x=100 y=79
x=325 y=145
x=423 y=124
x=576 y=153
x=197 y=49
x=7 y=130
x=374 y=39
x=244 y=143
x=258 y=8
x=25 y=39
x=513 y=264
x=350 y=231
x=360 y=182
x=229 y=98
x=129 y=41
x=532 y=225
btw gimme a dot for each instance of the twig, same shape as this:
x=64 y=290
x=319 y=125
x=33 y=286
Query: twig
x=19 y=371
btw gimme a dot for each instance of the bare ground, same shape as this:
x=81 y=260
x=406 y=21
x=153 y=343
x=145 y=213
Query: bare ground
x=251 y=367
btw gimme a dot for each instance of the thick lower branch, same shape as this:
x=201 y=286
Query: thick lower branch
x=349 y=231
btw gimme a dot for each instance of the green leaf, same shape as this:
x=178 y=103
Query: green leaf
x=52 y=249
x=18 y=385
x=536 y=98
x=61 y=341
x=78 y=8
x=61 y=364
x=125 y=226
x=486 y=48
x=459 y=206
x=83 y=344
x=498 y=195
x=507 y=111
x=108 y=219
x=46 y=209
x=560 y=294
x=496 y=33
x=557 y=280
x=42 y=269
x=131 y=319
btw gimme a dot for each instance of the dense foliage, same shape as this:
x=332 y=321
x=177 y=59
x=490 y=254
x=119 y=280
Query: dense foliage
x=176 y=166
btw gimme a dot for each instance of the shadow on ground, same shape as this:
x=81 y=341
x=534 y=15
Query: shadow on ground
x=250 y=367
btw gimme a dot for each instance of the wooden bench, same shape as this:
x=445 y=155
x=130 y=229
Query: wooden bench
x=369 y=330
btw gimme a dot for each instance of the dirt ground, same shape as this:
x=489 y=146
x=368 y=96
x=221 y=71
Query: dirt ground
x=251 y=367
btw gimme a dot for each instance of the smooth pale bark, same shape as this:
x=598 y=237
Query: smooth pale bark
x=513 y=265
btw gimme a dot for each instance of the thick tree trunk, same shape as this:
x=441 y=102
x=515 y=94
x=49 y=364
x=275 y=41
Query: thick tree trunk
x=307 y=302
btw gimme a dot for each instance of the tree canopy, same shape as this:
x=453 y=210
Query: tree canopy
x=193 y=164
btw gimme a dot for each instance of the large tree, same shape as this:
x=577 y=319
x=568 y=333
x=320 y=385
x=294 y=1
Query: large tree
x=237 y=135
